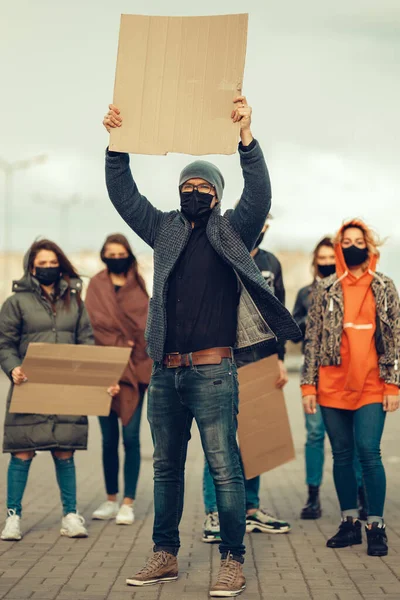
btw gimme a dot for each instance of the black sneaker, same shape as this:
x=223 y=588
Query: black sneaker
x=349 y=534
x=377 y=539
x=312 y=509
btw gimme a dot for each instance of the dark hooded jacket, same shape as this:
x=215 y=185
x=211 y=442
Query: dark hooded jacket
x=27 y=316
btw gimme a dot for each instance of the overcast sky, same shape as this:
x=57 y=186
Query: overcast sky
x=322 y=77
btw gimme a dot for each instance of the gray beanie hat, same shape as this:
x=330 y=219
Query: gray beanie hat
x=204 y=170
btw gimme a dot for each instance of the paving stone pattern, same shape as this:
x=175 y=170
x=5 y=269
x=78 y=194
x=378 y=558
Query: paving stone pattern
x=295 y=566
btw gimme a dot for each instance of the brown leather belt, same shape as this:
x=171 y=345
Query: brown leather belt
x=211 y=356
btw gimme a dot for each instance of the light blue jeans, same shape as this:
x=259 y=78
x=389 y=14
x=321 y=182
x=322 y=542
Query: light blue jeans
x=314 y=451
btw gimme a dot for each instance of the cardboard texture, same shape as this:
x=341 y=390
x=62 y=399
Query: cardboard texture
x=265 y=437
x=175 y=81
x=64 y=379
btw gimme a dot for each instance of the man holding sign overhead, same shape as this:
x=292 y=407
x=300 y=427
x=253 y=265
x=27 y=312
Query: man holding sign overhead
x=208 y=298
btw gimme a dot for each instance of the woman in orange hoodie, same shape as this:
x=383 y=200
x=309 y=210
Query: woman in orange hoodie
x=352 y=345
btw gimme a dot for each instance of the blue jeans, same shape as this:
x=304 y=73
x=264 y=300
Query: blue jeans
x=252 y=491
x=314 y=451
x=363 y=429
x=131 y=438
x=209 y=394
x=17 y=478
x=252 y=486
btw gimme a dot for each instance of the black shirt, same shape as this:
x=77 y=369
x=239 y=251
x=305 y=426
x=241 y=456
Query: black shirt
x=271 y=270
x=301 y=308
x=203 y=297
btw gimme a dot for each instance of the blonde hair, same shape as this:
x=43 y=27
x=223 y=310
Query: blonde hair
x=372 y=239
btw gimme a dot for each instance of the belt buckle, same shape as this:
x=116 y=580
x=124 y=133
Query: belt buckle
x=169 y=356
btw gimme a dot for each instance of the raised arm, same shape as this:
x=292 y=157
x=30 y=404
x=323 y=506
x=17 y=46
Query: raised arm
x=135 y=209
x=254 y=205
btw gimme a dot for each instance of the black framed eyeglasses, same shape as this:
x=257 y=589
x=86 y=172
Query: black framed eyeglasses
x=202 y=188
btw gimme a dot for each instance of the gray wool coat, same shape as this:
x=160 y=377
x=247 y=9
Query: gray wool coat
x=261 y=316
x=26 y=317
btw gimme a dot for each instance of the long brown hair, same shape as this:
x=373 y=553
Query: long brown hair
x=119 y=238
x=67 y=270
x=326 y=241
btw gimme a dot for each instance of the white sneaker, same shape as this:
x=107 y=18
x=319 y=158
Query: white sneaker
x=211 y=529
x=12 y=530
x=265 y=522
x=107 y=510
x=125 y=515
x=73 y=526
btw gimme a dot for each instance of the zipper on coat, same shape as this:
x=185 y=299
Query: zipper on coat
x=331 y=341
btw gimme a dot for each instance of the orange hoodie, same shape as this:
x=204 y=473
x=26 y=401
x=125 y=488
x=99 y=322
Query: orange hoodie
x=356 y=381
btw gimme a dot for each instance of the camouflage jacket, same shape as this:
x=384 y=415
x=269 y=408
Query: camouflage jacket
x=324 y=329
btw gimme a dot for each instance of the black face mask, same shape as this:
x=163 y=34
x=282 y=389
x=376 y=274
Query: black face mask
x=259 y=239
x=326 y=270
x=118 y=265
x=47 y=275
x=355 y=256
x=195 y=205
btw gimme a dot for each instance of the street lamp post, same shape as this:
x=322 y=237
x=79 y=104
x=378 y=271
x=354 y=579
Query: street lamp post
x=9 y=170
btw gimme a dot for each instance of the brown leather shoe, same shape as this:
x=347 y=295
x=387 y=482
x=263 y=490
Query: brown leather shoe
x=231 y=581
x=161 y=567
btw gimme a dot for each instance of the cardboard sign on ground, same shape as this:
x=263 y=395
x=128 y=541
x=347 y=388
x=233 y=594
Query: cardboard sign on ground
x=265 y=437
x=64 y=379
x=175 y=81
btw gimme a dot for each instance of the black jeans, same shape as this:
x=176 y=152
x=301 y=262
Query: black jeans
x=131 y=438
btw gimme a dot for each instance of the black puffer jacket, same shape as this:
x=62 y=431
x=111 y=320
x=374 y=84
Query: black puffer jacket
x=26 y=317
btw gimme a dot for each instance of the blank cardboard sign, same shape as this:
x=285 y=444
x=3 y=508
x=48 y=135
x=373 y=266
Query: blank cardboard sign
x=265 y=437
x=67 y=379
x=175 y=81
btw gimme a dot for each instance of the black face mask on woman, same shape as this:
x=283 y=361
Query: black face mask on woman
x=195 y=205
x=47 y=275
x=118 y=265
x=354 y=256
x=326 y=270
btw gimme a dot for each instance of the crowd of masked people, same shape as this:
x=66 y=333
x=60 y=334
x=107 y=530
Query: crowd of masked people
x=339 y=314
x=218 y=276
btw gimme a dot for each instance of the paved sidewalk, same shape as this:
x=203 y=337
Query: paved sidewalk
x=296 y=566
